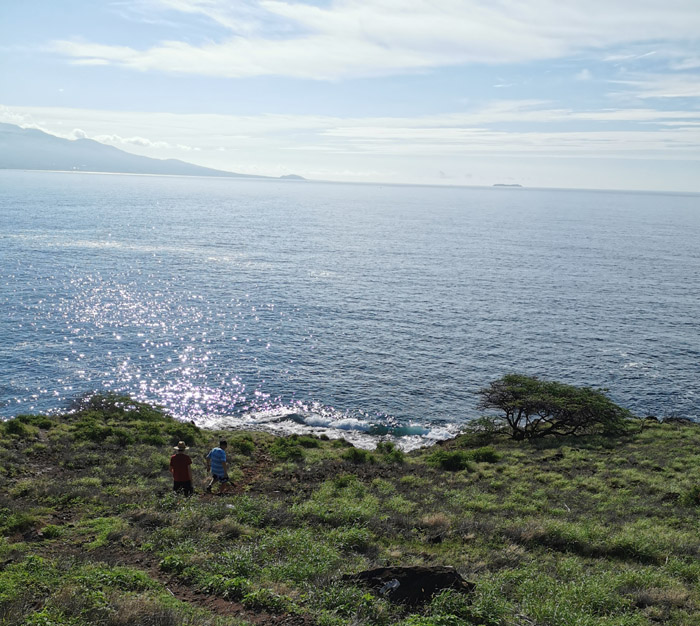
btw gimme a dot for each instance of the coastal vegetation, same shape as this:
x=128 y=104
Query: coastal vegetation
x=599 y=529
x=538 y=408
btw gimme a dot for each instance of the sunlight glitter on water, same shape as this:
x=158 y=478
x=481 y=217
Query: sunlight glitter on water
x=364 y=312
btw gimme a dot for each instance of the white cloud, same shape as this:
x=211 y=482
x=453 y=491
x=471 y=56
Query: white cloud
x=687 y=63
x=350 y=38
x=628 y=56
x=584 y=75
x=79 y=133
x=666 y=86
x=134 y=141
x=618 y=148
x=252 y=140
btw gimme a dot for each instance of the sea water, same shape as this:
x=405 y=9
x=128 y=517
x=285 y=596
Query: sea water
x=357 y=310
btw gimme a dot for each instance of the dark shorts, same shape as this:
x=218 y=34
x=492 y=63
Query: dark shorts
x=183 y=485
x=218 y=479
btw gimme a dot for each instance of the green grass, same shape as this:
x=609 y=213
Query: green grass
x=588 y=531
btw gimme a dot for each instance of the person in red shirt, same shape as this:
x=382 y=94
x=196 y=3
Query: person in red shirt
x=181 y=469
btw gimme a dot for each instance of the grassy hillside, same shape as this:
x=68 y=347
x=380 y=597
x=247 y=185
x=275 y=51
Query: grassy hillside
x=567 y=532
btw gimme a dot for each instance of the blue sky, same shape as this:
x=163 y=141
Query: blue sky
x=553 y=93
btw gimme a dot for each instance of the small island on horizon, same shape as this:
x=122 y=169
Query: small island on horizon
x=506 y=185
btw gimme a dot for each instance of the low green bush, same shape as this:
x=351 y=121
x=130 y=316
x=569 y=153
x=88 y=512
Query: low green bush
x=100 y=576
x=16 y=427
x=243 y=444
x=40 y=421
x=357 y=455
x=51 y=531
x=341 y=443
x=286 y=450
x=267 y=600
x=19 y=523
x=173 y=564
x=89 y=429
x=690 y=497
x=452 y=461
x=390 y=453
x=487 y=454
x=306 y=441
x=235 y=588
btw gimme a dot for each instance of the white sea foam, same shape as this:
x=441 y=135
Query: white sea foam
x=285 y=420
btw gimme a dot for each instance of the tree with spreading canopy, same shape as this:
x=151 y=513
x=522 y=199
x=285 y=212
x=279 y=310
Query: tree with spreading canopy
x=535 y=408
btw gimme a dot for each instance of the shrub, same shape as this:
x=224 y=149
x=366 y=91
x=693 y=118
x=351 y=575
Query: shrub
x=182 y=431
x=266 y=600
x=89 y=429
x=485 y=455
x=452 y=461
x=341 y=443
x=121 y=437
x=99 y=576
x=243 y=444
x=537 y=408
x=51 y=531
x=235 y=588
x=306 y=441
x=346 y=480
x=691 y=496
x=19 y=523
x=357 y=455
x=286 y=450
x=173 y=564
x=40 y=421
x=16 y=427
x=390 y=453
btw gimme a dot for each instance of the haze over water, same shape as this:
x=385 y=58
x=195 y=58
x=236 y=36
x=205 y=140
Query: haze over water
x=361 y=309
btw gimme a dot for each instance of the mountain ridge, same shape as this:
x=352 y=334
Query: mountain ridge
x=33 y=149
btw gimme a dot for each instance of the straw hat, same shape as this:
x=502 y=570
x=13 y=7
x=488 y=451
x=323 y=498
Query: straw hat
x=181 y=446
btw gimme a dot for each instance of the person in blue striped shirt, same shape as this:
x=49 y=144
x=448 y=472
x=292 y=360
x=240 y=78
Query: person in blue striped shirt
x=217 y=464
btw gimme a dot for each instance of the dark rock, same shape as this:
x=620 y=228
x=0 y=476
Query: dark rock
x=411 y=585
x=677 y=420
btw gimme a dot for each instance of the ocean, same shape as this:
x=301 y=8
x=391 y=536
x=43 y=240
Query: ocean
x=362 y=311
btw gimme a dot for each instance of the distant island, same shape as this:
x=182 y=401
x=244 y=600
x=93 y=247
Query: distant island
x=31 y=149
x=506 y=185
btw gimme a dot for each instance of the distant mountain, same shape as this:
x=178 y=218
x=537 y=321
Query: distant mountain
x=29 y=149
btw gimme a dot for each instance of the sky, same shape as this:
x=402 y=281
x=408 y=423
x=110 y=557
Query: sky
x=601 y=94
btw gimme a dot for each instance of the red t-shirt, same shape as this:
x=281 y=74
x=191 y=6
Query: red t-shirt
x=178 y=466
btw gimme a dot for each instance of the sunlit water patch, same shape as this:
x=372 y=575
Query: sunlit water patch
x=365 y=312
